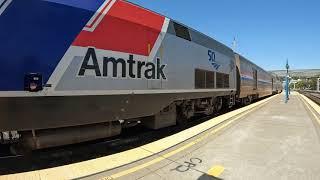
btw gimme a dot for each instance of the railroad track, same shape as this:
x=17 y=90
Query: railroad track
x=313 y=95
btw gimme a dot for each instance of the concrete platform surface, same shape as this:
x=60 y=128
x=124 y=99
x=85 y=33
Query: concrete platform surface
x=277 y=141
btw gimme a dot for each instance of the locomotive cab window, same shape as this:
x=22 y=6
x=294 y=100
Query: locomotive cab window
x=182 y=31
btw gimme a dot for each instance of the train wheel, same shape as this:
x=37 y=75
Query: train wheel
x=184 y=112
x=181 y=118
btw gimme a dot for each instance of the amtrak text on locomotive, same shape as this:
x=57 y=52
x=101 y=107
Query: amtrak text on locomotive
x=137 y=69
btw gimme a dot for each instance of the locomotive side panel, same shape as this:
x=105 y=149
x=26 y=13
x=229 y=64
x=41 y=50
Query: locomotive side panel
x=200 y=53
x=74 y=89
x=118 y=62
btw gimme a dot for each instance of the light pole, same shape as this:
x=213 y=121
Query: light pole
x=287 y=82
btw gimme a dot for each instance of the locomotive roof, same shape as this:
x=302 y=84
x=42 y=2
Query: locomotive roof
x=220 y=46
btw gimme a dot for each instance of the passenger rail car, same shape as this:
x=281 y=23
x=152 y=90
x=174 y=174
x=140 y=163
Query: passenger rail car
x=276 y=84
x=253 y=81
x=75 y=71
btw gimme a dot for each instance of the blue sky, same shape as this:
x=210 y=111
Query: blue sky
x=267 y=31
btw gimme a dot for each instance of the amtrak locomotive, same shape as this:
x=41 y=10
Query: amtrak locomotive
x=74 y=71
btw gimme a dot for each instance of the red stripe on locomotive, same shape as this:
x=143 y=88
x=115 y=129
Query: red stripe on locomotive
x=125 y=28
x=100 y=13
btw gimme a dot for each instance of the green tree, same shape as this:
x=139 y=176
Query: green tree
x=313 y=83
x=301 y=84
x=291 y=86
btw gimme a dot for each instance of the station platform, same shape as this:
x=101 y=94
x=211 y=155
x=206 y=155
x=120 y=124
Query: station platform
x=269 y=139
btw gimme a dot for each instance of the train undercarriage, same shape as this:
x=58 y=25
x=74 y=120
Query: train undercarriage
x=177 y=113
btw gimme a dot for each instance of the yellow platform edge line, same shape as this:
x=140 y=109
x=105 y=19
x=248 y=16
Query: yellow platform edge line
x=168 y=155
x=216 y=171
x=142 y=166
x=95 y=166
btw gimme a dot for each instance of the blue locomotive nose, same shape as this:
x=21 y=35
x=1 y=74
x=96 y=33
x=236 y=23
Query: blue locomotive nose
x=34 y=36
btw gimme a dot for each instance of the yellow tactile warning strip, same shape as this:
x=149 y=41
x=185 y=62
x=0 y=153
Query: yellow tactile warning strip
x=313 y=105
x=215 y=171
x=102 y=164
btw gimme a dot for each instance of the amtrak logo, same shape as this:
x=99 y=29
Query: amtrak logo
x=3 y=5
x=122 y=68
x=212 y=59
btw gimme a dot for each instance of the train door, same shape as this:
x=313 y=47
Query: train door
x=255 y=79
x=272 y=81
